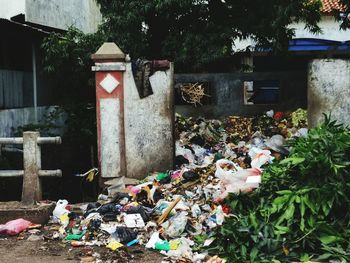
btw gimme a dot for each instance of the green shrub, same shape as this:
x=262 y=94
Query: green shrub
x=301 y=210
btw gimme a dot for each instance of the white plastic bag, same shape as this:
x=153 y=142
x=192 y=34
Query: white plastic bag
x=60 y=209
x=177 y=225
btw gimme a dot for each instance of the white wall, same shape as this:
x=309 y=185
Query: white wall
x=83 y=14
x=9 y=8
x=330 y=30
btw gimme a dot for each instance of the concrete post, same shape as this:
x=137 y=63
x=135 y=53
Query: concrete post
x=32 y=164
x=109 y=67
x=329 y=90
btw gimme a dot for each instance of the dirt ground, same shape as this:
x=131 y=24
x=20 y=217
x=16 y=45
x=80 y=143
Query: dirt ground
x=14 y=250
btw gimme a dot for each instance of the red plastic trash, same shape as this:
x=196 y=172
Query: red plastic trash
x=14 y=227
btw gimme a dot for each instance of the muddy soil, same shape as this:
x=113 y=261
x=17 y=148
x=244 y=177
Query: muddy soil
x=14 y=250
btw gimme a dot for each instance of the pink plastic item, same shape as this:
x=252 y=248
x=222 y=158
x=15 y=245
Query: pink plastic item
x=176 y=175
x=14 y=227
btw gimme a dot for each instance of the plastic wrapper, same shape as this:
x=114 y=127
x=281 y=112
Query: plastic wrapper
x=184 y=250
x=217 y=216
x=196 y=210
x=14 y=227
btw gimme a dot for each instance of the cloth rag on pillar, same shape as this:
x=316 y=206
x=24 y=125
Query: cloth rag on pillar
x=142 y=70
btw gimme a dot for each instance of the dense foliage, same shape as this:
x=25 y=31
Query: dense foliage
x=300 y=212
x=197 y=33
x=193 y=33
x=67 y=61
x=343 y=15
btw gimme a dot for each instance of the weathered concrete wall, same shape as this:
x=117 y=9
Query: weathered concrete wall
x=227 y=93
x=11 y=8
x=11 y=119
x=329 y=90
x=83 y=14
x=149 y=125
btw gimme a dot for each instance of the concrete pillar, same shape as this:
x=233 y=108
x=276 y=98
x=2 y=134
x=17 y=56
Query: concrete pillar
x=329 y=90
x=31 y=190
x=135 y=135
x=149 y=124
x=109 y=67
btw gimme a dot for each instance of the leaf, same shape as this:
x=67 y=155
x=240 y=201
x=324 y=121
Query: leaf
x=90 y=176
x=243 y=251
x=284 y=192
x=304 y=258
x=326 y=209
x=309 y=204
x=281 y=201
x=289 y=212
x=330 y=239
x=282 y=229
x=253 y=220
x=293 y=160
x=324 y=256
x=253 y=254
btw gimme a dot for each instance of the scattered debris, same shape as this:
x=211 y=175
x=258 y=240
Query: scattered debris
x=170 y=211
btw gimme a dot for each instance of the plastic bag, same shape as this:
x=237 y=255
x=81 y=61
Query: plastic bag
x=190 y=176
x=14 y=227
x=180 y=150
x=237 y=182
x=60 y=208
x=153 y=240
x=259 y=157
x=223 y=163
x=177 y=225
x=184 y=250
x=124 y=234
x=276 y=143
x=196 y=211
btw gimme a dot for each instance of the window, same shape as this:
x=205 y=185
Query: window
x=261 y=92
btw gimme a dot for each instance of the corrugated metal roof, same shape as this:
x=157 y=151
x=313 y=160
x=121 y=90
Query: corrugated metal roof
x=9 y=24
x=330 y=5
x=312 y=44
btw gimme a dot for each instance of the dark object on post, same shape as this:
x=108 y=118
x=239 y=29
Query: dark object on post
x=143 y=70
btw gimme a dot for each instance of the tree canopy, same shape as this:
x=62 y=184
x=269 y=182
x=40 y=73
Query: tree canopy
x=195 y=33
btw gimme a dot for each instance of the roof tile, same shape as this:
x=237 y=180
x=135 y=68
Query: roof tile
x=330 y=5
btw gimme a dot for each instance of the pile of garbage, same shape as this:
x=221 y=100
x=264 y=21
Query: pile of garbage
x=177 y=211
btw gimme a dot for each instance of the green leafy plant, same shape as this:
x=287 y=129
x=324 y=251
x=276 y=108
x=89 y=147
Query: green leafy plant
x=300 y=212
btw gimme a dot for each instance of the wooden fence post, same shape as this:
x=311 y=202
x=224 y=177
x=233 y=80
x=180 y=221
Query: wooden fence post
x=31 y=190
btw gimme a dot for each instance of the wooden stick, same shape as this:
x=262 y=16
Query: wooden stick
x=168 y=210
